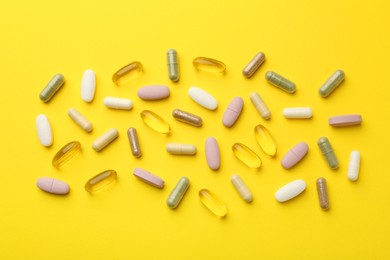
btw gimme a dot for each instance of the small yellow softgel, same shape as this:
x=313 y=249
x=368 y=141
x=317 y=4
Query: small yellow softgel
x=209 y=65
x=66 y=153
x=127 y=72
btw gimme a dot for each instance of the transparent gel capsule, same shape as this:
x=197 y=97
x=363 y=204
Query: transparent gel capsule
x=155 y=122
x=213 y=203
x=265 y=140
x=209 y=65
x=127 y=72
x=100 y=181
x=246 y=155
x=66 y=153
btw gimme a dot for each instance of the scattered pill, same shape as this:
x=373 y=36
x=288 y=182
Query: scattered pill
x=118 y=103
x=246 y=155
x=209 y=65
x=253 y=65
x=295 y=155
x=178 y=192
x=105 y=139
x=88 y=85
x=260 y=106
x=44 y=132
x=332 y=83
x=155 y=122
x=213 y=155
x=280 y=82
x=66 y=153
x=80 y=120
x=290 y=190
x=354 y=166
x=213 y=203
x=52 y=87
x=241 y=187
x=100 y=181
x=322 y=191
x=327 y=151
x=53 y=186
x=345 y=120
x=187 y=117
x=183 y=149
x=134 y=142
x=298 y=112
x=232 y=112
x=265 y=140
x=149 y=178
x=156 y=92
x=173 y=65
x=203 y=98
x=127 y=72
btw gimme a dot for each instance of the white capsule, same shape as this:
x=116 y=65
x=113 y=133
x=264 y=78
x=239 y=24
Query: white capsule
x=290 y=190
x=203 y=98
x=184 y=149
x=298 y=112
x=354 y=166
x=88 y=86
x=118 y=103
x=242 y=189
x=44 y=132
x=80 y=120
x=105 y=139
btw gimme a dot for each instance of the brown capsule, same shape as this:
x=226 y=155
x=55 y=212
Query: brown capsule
x=253 y=65
x=187 y=118
x=322 y=193
x=134 y=143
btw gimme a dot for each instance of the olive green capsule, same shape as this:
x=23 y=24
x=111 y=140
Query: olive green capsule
x=178 y=192
x=52 y=87
x=332 y=83
x=327 y=151
x=173 y=65
x=280 y=82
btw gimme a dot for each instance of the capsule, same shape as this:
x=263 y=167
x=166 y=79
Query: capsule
x=328 y=152
x=80 y=120
x=322 y=191
x=354 y=166
x=265 y=140
x=100 y=181
x=127 y=72
x=213 y=203
x=332 y=83
x=173 y=65
x=52 y=87
x=232 y=112
x=298 y=112
x=253 y=65
x=44 y=131
x=178 y=192
x=155 y=122
x=241 y=187
x=88 y=86
x=53 y=186
x=66 y=153
x=104 y=140
x=260 y=106
x=182 y=149
x=118 y=103
x=213 y=155
x=149 y=178
x=290 y=190
x=134 y=142
x=187 y=117
x=280 y=82
x=246 y=155
x=209 y=65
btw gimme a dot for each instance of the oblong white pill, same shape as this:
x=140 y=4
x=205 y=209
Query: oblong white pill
x=290 y=190
x=354 y=166
x=298 y=112
x=118 y=103
x=88 y=86
x=44 y=132
x=203 y=98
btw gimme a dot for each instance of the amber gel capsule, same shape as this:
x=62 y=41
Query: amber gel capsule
x=322 y=193
x=209 y=65
x=265 y=140
x=127 y=71
x=100 y=181
x=52 y=87
x=213 y=203
x=155 y=122
x=246 y=155
x=66 y=153
x=173 y=65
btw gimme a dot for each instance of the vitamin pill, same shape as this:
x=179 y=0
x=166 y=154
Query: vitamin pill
x=354 y=166
x=173 y=65
x=53 y=186
x=88 y=86
x=155 y=122
x=265 y=140
x=213 y=155
x=127 y=72
x=44 y=132
x=66 y=153
x=241 y=187
x=178 y=192
x=298 y=112
x=203 y=98
x=213 y=203
x=295 y=155
x=134 y=142
x=149 y=178
x=118 y=103
x=322 y=191
x=187 y=117
x=209 y=65
x=52 y=87
x=105 y=139
x=184 y=149
x=253 y=65
x=280 y=82
x=260 y=106
x=155 y=92
x=80 y=120
x=345 y=120
x=246 y=155
x=290 y=190
x=332 y=83
x=232 y=112
x=327 y=151
x=100 y=181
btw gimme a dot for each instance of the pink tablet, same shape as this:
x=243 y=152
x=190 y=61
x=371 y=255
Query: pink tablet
x=149 y=178
x=232 y=112
x=213 y=156
x=155 y=92
x=345 y=120
x=295 y=155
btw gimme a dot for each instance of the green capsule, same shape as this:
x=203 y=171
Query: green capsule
x=52 y=87
x=280 y=82
x=173 y=65
x=328 y=152
x=332 y=83
x=178 y=192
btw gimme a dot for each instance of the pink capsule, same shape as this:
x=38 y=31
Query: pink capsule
x=155 y=92
x=232 y=112
x=295 y=155
x=213 y=155
x=53 y=186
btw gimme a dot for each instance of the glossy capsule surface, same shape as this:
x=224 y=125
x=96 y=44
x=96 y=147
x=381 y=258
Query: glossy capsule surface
x=322 y=191
x=173 y=65
x=241 y=187
x=134 y=142
x=260 y=106
x=187 y=117
x=127 y=72
x=213 y=203
x=253 y=65
x=209 y=65
x=327 y=151
x=246 y=155
x=178 y=192
x=66 y=153
x=155 y=122
x=332 y=83
x=265 y=140
x=52 y=87
x=100 y=181
x=280 y=82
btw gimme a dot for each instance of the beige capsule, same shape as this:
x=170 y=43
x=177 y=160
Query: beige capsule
x=182 y=149
x=80 y=120
x=260 y=106
x=253 y=65
x=322 y=190
x=105 y=139
x=134 y=142
x=187 y=117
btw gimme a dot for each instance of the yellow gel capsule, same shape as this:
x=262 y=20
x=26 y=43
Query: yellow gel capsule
x=212 y=202
x=209 y=65
x=100 y=181
x=246 y=155
x=155 y=122
x=127 y=72
x=66 y=153
x=265 y=140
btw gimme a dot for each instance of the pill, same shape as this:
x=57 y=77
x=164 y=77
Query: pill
x=100 y=181
x=212 y=203
x=298 y=112
x=104 y=140
x=88 y=86
x=187 y=117
x=80 y=120
x=184 y=149
x=260 y=106
x=322 y=191
x=149 y=178
x=53 y=186
x=295 y=155
x=253 y=65
x=354 y=166
x=66 y=153
x=127 y=72
x=44 y=132
x=52 y=87
x=118 y=103
x=246 y=155
x=327 y=151
x=265 y=140
x=178 y=192
x=332 y=83
x=203 y=98
x=213 y=155
x=155 y=122
x=232 y=112
x=345 y=120
x=155 y=92
x=280 y=82
x=241 y=187
x=209 y=65
x=290 y=190
x=173 y=65
x=134 y=142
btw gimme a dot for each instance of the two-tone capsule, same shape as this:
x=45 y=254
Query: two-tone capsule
x=280 y=82
x=104 y=140
x=118 y=103
x=241 y=187
x=134 y=142
x=52 y=87
x=173 y=65
x=332 y=83
x=260 y=106
x=100 y=181
x=187 y=117
x=181 y=149
x=253 y=65
x=80 y=120
x=178 y=192
x=322 y=191
x=327 y=151
x=354 y=166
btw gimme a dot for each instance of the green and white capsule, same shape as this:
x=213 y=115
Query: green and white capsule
x=327 y=151
x=280 y=82
x=178 y=192
x=173 y=65
x=52 y=87
x=332 y=83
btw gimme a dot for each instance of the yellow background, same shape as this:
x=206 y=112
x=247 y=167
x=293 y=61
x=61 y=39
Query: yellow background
x=305 y=41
